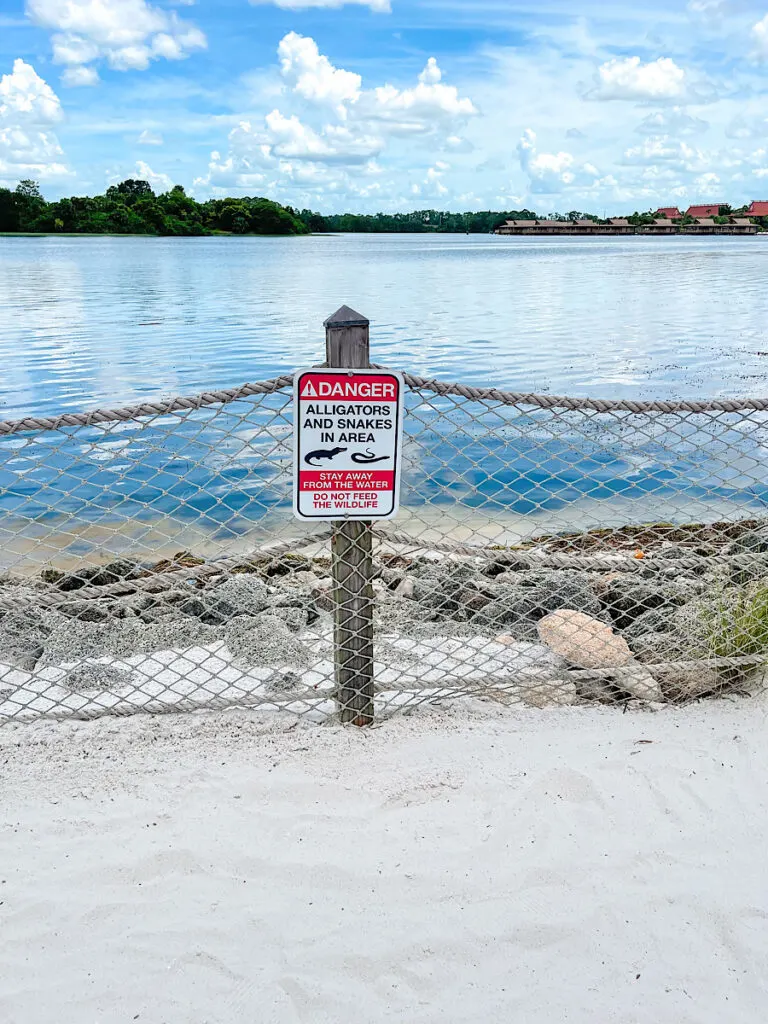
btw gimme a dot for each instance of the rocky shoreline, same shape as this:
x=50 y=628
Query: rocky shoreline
x=466 y=624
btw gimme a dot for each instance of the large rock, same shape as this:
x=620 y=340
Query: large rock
x=239 y=595
x=658 y=620
x=626 y=597
x=661 y=651
x=23 y=635
x=439 y=586
x=264 y=641
x=118 y=571
x=583 y=641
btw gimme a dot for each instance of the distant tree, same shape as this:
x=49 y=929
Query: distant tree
x=29 y=189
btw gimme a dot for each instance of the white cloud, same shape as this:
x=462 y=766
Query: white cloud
x=664 y=149
x=548 y=172
x=628 y=78
x=149 y=138
x=289 y=138
x=314 y=77
x=380 y=6
x=80 y=76
x=128 y=34
x=418 y=109
x=674 y=122
x=159 y=182
x=760 y=39
x=24 y=95
x=28 y=110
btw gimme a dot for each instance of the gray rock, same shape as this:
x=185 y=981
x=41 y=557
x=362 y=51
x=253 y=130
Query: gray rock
x=92 y=676
x=406 y=588
x=751 y=542
x=239 y=595
x=73 y=641
x=657 y=620
x=86 y=611
x=23 y=635
x=117 y=571
x=626 y=597
x=282 y=684
x=438 y=585
x=652 y=648
x=136 y=637
x=267 y=642
x=296 y=619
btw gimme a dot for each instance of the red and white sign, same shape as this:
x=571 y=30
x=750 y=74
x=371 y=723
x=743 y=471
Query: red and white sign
x=347 y=444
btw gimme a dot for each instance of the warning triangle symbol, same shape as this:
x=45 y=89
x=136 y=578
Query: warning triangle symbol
x=309 y=390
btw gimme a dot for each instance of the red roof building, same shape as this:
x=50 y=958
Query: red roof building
x=710 y=210
x=670 y=212
x=757 y=208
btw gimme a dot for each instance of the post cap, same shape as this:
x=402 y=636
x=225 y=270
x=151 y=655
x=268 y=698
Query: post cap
x=346 y=317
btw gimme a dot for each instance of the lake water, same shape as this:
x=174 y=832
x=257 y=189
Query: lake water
x=109 y=321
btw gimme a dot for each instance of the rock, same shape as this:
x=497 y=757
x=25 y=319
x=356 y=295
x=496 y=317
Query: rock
x=751 y=542
x=23 y=635
x=322 y=595
x=552 y=589
x=406 y=588
x=85 y=611
x=134 y=636
x=516 y=613
x=296 y=619
x=659 y=651
x=74 y=641
x=122 y=569
x=239 y=595
x=280 y=684
x=267 y=642
x=90 y=676
x=650 y=648
x=626 y=597
x=584 y=641
x=438 y=586
x=657 y=620
x=638 y=682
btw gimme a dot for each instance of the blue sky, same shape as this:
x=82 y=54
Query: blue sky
x=368 y=105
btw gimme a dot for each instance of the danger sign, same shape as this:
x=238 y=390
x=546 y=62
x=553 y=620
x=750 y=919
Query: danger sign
x=347 y=444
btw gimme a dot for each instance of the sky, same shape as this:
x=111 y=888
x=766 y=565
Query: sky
x=367 y=105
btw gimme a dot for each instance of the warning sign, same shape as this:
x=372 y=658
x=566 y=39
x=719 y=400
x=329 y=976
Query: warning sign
x=347 y=444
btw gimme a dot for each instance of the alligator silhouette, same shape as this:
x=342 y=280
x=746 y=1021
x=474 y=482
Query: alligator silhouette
x=322 y=454
x=368 y=458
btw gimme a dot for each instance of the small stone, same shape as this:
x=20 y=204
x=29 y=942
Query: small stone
x=323 y=597
x=91 y=676
x=506 y=639
x=405 y=588
x=583 y=641
x=638 y=682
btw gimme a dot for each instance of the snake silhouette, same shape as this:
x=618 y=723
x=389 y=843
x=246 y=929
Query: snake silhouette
x=368 y=457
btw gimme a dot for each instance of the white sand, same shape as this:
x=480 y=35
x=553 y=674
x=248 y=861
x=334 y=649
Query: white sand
x=476 y=866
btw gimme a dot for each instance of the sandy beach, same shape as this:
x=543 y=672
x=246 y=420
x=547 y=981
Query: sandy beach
x=466 y=865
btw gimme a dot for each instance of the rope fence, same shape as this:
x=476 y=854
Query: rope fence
x=550 y=551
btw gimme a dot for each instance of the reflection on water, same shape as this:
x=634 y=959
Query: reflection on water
x=107 y=321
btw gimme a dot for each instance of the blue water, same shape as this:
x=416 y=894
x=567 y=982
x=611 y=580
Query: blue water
x=108 y=321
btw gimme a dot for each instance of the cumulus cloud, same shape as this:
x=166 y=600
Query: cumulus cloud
x=288 y=137
x=432 y=186
x=665 y=149
x=312 y=75
x=29 y=109
x=548 y=172
x=80 y=75
x=331 y=142
x=412 y=110
x=379 y=6
x=160 y=182
x=674 y=122
x=628 y=78
x=127 y=34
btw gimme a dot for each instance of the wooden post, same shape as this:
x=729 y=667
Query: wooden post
x=347 y=345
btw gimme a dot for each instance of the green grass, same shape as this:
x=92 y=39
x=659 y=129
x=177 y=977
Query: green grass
x=737 y=623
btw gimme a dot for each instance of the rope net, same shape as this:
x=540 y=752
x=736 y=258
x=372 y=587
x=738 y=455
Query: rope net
x=549 y=552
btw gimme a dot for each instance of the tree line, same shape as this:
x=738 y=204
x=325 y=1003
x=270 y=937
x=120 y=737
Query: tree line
x=133 y=208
